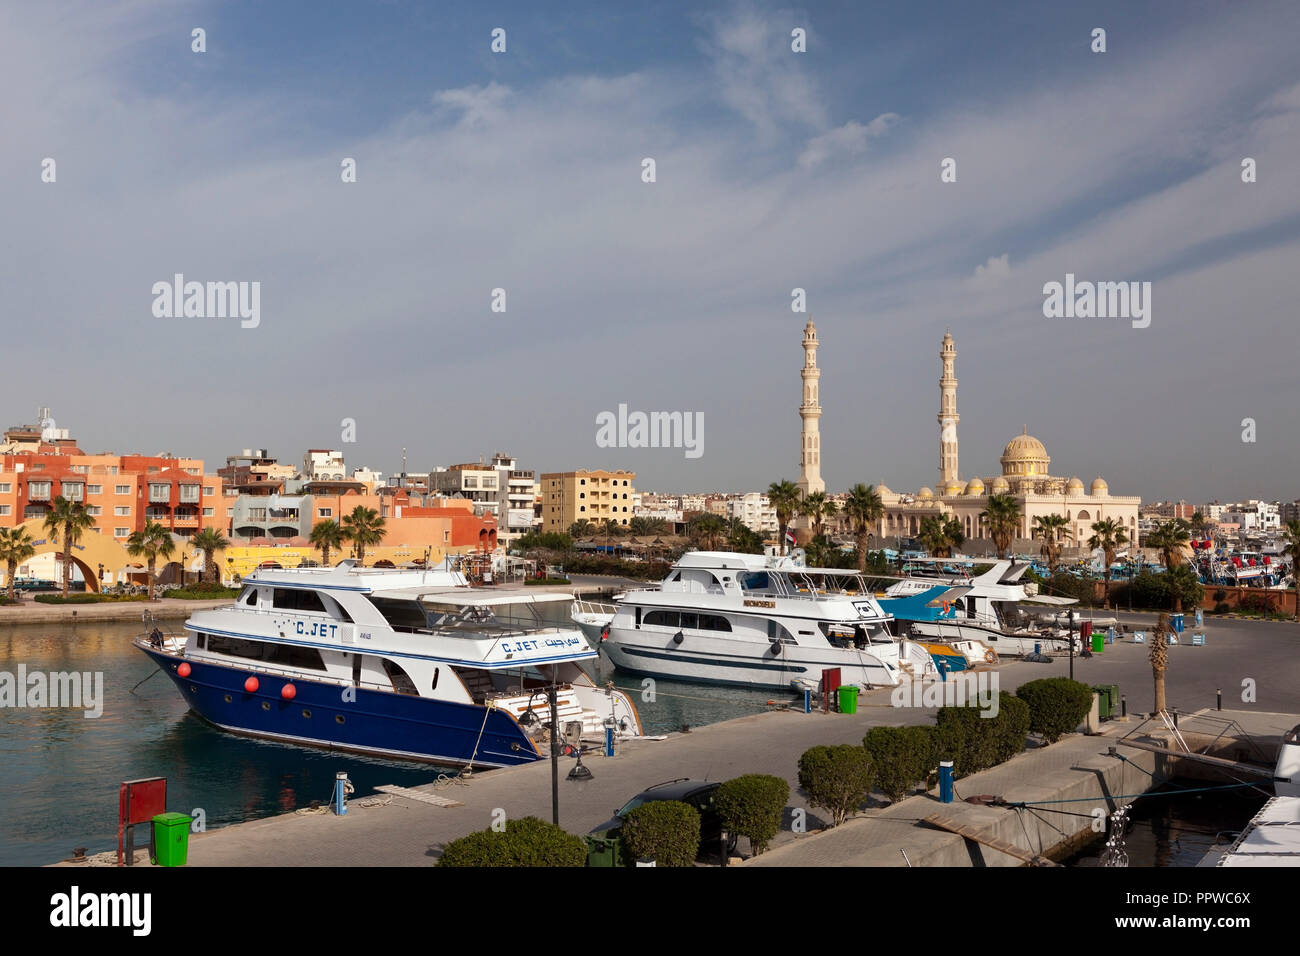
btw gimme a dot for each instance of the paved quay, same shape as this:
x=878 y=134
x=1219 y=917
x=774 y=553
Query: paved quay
x=398 y=831
x=164 y=609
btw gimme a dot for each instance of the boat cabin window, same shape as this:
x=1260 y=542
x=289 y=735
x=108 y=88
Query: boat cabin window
x=402 y=682
x=688 y=619
x=286 y=655
x=335 y=609
x=755 y=581
x=401 y=615
x=249 y=596
x=776 y=632
x=292 y=599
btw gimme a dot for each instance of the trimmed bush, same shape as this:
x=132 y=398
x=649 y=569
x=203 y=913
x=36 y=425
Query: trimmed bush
x=202 y=592
x=902 y=757
x=836 y=779
x=751 y=806
x=967 y=739
x=88 y=598
x=666 y=831
x=1223 y=607
x=1220 y=595
x=1057 y=705
x=1010 y=727
x=525 y=842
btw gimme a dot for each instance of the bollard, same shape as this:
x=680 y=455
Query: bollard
x=1218 y=693
x=340 y=793
x=609 y=741
x=722 y=843
x=945 y=781
x=1175 y=713
x=1038 y=649
x=807 y=701
x=1123 y=706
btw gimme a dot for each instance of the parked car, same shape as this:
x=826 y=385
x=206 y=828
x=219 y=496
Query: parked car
x=695 y=793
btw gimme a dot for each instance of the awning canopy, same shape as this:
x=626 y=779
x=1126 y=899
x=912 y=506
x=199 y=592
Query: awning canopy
x=1051 y=599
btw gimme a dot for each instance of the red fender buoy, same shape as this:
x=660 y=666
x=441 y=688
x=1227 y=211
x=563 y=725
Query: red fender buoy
x=288 y=692
x=250 y=685
x=184 y=669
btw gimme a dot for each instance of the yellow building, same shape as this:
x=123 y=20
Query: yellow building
x=597 y=496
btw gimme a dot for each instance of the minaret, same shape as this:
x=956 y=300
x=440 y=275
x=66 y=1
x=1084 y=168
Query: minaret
x=810 y=410
x=948 y=416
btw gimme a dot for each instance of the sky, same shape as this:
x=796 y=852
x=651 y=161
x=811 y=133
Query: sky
x=522 y=171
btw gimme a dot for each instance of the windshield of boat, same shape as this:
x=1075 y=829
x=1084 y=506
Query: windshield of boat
x=459 y=620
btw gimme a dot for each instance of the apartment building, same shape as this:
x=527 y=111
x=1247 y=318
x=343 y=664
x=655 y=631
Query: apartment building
x=597 y=496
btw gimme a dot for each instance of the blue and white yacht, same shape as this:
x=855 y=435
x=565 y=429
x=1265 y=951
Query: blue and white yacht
x=393 y=663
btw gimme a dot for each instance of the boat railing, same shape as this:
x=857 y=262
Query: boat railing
x=593 y=608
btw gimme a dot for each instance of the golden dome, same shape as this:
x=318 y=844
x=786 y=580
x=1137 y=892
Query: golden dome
x=953 y=487
x=1000 y=485
x=1025 y=455
x=1074 y=486
x=925 y=493
x=883 y=490
x=1099 y=486
x=975 y=487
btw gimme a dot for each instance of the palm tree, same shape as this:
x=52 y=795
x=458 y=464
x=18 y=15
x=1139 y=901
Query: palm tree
x=816 y=507
x=15 y=548
x=153 y=542
x=326 y=537
x=639 y=527
x=709 y=529
x=1052 y=527
x=66 y=522
x=1108 y=535
x=581 y=528
x=1292 y=534
x=611 y=528
x=209 y=541
x=1002 y=517
x=784 y=497
x=742 y=538
x=1169 y=540
x=863 y=508
x=363 y=528
x=1184 y=585
x=1159 y=658
x=1198 y=523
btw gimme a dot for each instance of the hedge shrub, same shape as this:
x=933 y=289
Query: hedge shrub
x=88 y=598
x=1057 y=705
x=525 y=842
x=902 y=757
x=836 y=779
x=751 y=806
x=967 y=739
x=1010 y=727
x=666 y=831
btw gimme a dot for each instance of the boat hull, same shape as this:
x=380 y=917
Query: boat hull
x=741 y=663
x=1002 y=643
x=344 y=718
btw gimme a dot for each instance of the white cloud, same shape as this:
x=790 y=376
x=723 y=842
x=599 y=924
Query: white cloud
x=992 y=272
x=851 y=139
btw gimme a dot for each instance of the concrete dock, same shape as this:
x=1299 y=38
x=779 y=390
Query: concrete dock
x=396 y=830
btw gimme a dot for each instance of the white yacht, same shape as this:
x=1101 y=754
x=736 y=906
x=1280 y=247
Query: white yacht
x=746 y=619
x=985 y=609
x=407 y=664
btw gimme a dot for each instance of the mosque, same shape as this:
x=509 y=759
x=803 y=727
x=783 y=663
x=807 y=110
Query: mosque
x=1025 y=475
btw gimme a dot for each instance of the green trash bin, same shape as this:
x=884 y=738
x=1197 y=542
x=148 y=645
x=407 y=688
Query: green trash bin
x=1098 y=643
x=603 y=851
x=1105 y=702
x=848 y=699
x=171 y=838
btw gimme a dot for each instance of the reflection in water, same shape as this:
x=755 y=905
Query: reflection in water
x=1180 y=830
x=62 y=770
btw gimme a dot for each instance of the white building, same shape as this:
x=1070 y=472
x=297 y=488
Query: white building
x=1254 y=515
x=754 y=510
x=323 y=464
